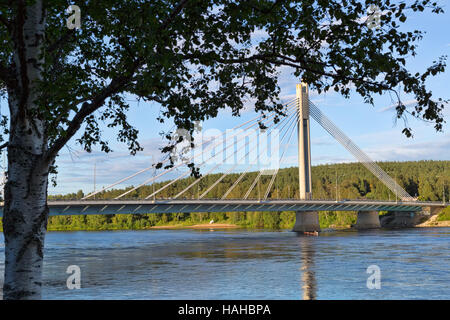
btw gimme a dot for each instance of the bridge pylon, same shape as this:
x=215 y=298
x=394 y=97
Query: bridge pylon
x=305 y=221
x=304 y=142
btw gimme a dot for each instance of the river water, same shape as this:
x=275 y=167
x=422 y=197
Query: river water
x=247 y=264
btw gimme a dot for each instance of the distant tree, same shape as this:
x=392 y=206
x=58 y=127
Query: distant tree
x=80 y=194
x=193 y=57
x=426 y=191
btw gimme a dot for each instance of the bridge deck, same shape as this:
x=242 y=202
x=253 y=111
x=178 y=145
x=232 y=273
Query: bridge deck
x=82 y=207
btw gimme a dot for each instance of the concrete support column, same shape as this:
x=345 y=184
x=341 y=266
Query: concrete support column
x=304 y=142
x=306 y=221
x=367 y=220
x=402 y=219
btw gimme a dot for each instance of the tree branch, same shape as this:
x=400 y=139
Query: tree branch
x=116 y=85
x=298 y=64
x=61 y=41
x=173 y=14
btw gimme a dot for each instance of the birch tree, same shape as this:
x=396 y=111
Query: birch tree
x=194 y=58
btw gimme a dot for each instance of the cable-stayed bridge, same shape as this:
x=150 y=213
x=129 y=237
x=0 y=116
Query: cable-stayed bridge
x=247 y=144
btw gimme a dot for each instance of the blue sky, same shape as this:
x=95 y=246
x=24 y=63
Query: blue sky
x=373 y=128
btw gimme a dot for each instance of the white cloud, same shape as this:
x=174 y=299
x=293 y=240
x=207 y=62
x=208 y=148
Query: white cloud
x=407 y=104
x=323 y=141
x=76 y=170
x=436 y=149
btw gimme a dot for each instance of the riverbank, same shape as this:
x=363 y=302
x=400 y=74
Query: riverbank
x=434 y=222
x=250 y=220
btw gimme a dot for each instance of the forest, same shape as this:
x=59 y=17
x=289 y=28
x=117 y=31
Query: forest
x=426 y=180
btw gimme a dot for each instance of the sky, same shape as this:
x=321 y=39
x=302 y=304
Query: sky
x=372 y=128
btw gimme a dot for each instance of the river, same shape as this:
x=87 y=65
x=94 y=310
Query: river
x=247 y=264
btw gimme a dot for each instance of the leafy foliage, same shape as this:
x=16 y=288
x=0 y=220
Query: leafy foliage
x=195 y=57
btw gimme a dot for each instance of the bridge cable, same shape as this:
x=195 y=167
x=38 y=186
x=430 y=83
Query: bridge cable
x=193 y=157
x=215 y=167
x=391 y=184
x=366 y=161
x=240 y=178
x=345 y=141
x=274 y=175
x=183 y=163
x=173 y=181
x=229 y=171
x=164 y=161
x=258 y=176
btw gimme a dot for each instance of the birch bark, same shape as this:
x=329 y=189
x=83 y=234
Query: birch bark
x=25 y=211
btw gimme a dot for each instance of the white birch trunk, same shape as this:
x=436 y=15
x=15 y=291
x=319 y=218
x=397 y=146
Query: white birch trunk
x=26 y=212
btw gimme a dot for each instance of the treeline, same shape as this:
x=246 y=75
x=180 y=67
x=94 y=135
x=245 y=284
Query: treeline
x=426 y=180
x=268 y=220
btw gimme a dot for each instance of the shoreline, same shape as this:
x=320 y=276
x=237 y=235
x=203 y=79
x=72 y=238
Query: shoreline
x=428 y=224
x=433 y=222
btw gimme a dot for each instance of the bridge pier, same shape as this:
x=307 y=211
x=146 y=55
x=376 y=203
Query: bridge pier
x=306 y=221
x=402 y=219
x=367 y=220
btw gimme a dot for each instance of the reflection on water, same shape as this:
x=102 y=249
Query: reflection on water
x=243 y=264
x=308 y=274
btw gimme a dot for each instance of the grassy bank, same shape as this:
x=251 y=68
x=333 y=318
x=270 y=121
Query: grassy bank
x=444 y=215
x=249 y=220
